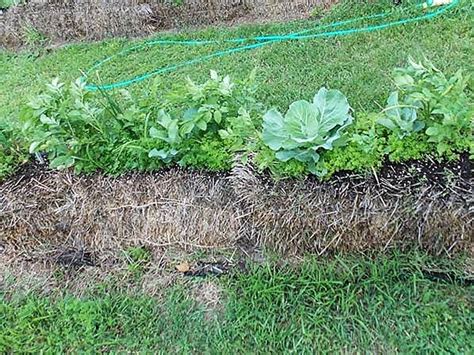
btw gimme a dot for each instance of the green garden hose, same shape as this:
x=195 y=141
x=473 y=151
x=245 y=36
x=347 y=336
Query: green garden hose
x=260 y=41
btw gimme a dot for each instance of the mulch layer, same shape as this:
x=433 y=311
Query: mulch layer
x=77 y=219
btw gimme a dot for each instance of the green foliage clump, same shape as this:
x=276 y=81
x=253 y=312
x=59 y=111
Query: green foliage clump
x=400 y=118
x=413 y=147
x=210 y=152
x=193 y=125
x=202 y=125
x=265 y=159
x=428 y=114
x=74 y=128
x=442 y=103
x=209 y=125
x=364 y=150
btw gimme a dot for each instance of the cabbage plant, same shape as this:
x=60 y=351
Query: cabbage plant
x=308 y=128
x=400 y=118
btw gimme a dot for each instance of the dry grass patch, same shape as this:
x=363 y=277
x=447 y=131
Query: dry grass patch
x=94 y=20
x=60 y=211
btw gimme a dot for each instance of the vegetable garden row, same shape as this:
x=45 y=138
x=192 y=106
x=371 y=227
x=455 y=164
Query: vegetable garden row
x=218 y=123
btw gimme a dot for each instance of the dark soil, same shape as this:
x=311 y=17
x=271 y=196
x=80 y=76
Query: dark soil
x=430 y=172
x=397 y=177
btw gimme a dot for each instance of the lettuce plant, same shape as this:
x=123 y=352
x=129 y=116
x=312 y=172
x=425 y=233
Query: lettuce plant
x=308 y=128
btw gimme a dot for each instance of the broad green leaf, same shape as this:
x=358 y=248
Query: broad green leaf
x=303 y=121
x=333 y=107
x=404 y=80
x=285 y=155
x=34 y=146
x=190 y=114
x=388 y=123
x=399 y=118
x=214 y=75
x=158 y=134
x=163 y=154
x=173 y=132
x=164 y=119
x=155 y=153
x=62 y=162
x=218 y=116
x=432 y=131
x=47 y=120
x=223 y=134
x=274 y=130
x=187 y=128
x=202 y=125
x=418 y=126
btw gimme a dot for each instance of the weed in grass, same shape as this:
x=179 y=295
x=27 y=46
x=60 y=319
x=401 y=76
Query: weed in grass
x=138 y=258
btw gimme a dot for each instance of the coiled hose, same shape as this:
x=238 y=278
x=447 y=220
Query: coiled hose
x=328 y=31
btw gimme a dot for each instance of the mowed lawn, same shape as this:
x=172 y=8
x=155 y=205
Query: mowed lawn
x=383 y=305
x=359 y=65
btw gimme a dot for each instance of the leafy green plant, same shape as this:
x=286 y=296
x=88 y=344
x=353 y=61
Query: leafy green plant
x=212 y=153
x=415 y=146
x=367 y=141
x=308 y=128
x=218 y=109
x=364 y=151
x=168 y=133
x=442 y=104
x=75 y=128
x=209 y=125
x=89 y=131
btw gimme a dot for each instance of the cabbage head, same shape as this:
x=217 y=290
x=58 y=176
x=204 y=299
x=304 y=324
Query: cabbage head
x=308 y=128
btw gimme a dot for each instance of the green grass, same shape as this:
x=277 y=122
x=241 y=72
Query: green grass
x=358 y=65
x=355 y=305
